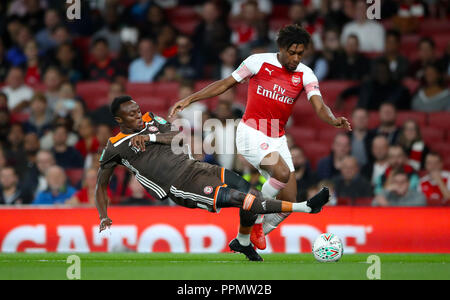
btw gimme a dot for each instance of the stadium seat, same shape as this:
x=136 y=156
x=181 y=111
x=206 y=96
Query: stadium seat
x=186 y=26
x=241 y=92
x=350 y=104
x=158 y=106
x=94 y=93
x=412 y=85
x=315 y=151
x=374 y=119
x=19 y=117
x=119 y=174
x=439 y=120
x=83 y=44
x=75 y=176
x=302 y=110
x=446 y=163
x=141 y=89
x=327 y=135
x=278 y=23
x=280 y=11
x=168 y=90
x=362 y=201
x=408 y=45
x=433 y=26
x=419 y=117
x=441 y=147
x=331 y=89
x=182 y=12
x=431 y=136
x=441 y=40
x=301 y=135
x=343 y=201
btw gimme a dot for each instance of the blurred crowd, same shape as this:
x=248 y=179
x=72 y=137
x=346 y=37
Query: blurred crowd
x=51 y=142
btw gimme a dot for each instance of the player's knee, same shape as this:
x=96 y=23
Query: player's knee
x=282 y=174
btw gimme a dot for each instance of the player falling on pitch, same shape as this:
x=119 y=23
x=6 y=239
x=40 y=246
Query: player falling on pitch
x=144 y=146
x=276 y=81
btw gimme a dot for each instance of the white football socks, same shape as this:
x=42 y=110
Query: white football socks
x=244 y=239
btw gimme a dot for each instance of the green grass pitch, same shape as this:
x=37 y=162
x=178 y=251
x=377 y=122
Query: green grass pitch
x=224 y=266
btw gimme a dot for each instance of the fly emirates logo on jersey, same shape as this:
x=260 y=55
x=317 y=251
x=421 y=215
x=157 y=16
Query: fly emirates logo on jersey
x=277 y=93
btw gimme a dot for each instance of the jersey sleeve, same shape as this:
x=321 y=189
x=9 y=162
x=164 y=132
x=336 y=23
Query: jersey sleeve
x=162 y=124
x=311 y=84
x=249 y=67
x=109 y=158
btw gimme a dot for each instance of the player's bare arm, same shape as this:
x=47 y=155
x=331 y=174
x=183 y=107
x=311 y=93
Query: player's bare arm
x=101 y=197
x=325 y=114
x=214 y=89
x=140 y=141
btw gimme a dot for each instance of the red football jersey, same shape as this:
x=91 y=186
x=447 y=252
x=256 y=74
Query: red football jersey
x=273 y=91
x=431 y=190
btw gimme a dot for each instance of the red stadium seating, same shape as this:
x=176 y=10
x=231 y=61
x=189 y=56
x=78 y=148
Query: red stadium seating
x=374 y=119
x=75 y=176
x=408 y=45
x=277 y=24
x=19 y=117
x=349 y=106
x=168 y=90
x=241 y=92
x=433 y=26
x=327 y=135
x=431 y=136
x=141 y=89
x=94 y=93
x=331 y=89
x=441 y=147
x=362 y=201
x=280 y=11
x=301 y=135
x=314 y=151
x=186 y=26
x=182 y=12
x=419 y=117
x=344 y=201
x=439 y=120
x=446 y=163
x=412 y=85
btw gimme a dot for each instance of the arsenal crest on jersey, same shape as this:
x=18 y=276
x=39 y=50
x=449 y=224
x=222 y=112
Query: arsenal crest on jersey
x=296 y=79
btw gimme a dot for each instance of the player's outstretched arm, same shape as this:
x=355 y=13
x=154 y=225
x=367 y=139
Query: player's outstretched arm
x=140 y=141
x=325 y=114
x=214 y=89
x=101 y=196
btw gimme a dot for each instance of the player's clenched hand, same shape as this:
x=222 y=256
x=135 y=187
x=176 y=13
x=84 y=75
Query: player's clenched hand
x=179 y=106
x=139 y=141
x=104 y=223
x=342 y=122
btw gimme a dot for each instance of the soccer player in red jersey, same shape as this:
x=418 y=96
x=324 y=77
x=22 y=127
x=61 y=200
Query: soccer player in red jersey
x=276 y=81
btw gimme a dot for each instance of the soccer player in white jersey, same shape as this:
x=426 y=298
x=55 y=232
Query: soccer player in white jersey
x=276 y=81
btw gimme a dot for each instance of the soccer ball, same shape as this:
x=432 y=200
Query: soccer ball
x=327 y=248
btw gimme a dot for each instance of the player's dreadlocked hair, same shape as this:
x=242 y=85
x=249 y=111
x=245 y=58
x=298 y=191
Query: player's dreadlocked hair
x=293 y=34
x=115 y=105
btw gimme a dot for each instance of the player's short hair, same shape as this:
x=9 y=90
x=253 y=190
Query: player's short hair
x=115 y=105
x=293 y=34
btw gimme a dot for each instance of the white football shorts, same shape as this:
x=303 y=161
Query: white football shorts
x=255 y=145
